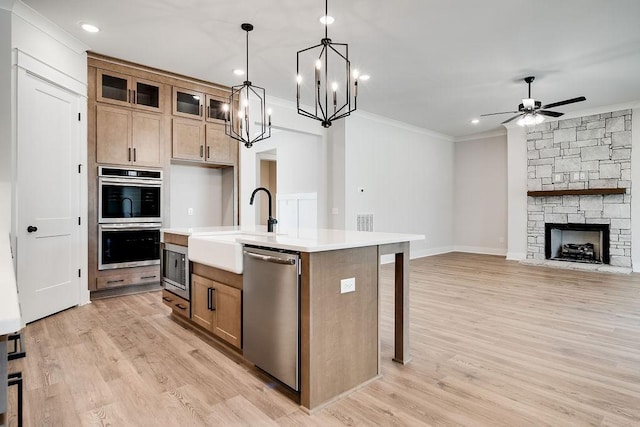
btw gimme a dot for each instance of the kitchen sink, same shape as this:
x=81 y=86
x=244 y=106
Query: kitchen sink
x=222 y=251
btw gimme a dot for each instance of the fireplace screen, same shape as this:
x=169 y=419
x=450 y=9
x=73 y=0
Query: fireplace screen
x=587 y=243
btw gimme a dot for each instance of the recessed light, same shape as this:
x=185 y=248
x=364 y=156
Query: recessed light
x=326 y=20
x=475 y=121
x=89 y=28
x=364 y=77
x=238 y=72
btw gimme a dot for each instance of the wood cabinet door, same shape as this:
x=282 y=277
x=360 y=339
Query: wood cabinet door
x=146 y=139
x=147 y=95
x=113 y=135
x=215 y=108
x=200 y=312
x=188 y=103
x=188 y=139
x=217 y=143
x=113 y=88
x=228 y=314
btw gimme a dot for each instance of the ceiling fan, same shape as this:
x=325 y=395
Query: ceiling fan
x=531 y=111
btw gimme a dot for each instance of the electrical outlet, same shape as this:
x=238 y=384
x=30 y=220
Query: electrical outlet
x=348 y=285
x=189 y=211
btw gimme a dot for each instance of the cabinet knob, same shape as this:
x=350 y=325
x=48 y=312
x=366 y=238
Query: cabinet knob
x=32 y=229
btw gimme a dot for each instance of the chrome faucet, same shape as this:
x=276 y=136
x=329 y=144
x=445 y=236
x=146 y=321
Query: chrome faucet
x=271 y=221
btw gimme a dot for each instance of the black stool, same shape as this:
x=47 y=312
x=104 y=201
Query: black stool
x=15 y=378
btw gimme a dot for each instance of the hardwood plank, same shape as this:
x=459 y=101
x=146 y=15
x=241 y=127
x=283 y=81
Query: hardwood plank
x=493 y=343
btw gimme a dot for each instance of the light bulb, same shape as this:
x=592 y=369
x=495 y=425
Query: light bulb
x=245 y=102
x=356 y=74
x=334 y=86
x=318 y=64
x=327 y=20
x=90 y=28
x=299 y=78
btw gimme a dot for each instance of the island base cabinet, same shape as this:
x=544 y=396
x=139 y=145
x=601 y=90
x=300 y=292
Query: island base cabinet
x=217 y=308
x=339 y=331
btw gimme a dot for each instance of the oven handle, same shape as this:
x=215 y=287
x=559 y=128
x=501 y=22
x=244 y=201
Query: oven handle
x=131 y=226
x=131 y=181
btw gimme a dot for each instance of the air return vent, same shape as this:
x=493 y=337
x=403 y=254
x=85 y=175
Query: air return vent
x=364 y=222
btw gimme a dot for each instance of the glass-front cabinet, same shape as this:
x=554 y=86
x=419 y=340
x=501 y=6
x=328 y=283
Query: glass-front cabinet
x=216 y=111
x=187 y=103
x=128 y=91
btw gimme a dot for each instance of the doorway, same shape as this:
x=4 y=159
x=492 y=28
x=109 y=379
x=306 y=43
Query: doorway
x=267 y=178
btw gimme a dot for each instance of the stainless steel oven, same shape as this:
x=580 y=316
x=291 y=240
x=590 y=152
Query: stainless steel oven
x=129 y=195
x=128 y=245
x=174 y=266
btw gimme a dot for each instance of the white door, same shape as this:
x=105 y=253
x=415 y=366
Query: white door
x=48 y=197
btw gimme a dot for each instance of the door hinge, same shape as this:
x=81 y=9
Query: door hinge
x=79 y=221
x=80 y=168
x=79 y=273
x=79 y=117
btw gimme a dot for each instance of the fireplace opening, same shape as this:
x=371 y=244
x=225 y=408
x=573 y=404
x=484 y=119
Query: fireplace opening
x=588 y=243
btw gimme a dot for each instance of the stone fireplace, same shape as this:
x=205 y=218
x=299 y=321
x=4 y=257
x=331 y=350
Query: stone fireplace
x=579 y=184
x=588 y=243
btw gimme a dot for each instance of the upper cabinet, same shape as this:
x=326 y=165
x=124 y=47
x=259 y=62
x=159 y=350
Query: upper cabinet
x=127 y=91
x=199 y=127
x=187 y=103
x=126 y=137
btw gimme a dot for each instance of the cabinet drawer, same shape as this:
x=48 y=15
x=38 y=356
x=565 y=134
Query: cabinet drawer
x=126 y=279
x=178 y=305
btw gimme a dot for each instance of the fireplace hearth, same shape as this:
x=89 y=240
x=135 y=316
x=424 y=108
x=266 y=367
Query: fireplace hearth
x=586 y=243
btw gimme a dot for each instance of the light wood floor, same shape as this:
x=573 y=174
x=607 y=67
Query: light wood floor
x=493 y=343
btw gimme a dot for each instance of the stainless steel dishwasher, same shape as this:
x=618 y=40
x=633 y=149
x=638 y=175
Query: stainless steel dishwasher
x=271 y=312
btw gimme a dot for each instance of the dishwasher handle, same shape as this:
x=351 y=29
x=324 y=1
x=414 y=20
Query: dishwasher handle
x=273 y=259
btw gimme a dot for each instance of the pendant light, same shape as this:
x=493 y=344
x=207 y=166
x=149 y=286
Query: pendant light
x=240 y=114
x=331 y=93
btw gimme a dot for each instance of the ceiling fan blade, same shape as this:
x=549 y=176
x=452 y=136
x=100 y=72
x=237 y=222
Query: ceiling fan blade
x=549 y=113
x=565 y=102
x=512 y=118
x=493 y=114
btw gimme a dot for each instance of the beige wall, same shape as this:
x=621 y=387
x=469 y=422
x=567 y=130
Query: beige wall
x=480 y=201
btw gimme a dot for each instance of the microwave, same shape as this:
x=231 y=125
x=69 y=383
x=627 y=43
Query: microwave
x=129 y=195
x=174 y=270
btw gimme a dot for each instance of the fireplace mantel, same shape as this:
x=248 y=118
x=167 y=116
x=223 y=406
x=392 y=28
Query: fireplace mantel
x=584 y=192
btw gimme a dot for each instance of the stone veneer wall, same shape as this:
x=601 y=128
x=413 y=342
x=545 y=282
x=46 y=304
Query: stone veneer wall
x=581 y=153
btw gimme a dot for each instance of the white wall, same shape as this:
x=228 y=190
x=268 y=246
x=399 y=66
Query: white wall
x=198 y=188
x=300 y=150
x=480 y=201
x=31 y=42
x=407 y=177
x=635 y=188
x=517 y=193
x=5 y=122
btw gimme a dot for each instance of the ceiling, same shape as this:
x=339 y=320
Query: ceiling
x=433 y=64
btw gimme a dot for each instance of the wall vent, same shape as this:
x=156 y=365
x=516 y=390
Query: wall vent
x=364 y=222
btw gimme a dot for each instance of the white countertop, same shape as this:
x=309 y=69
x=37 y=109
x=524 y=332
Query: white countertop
x=310 y=240
x=10 y=319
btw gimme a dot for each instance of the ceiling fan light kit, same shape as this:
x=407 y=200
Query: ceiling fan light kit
x=332 y=93
x=238 y=114
x=532 y=112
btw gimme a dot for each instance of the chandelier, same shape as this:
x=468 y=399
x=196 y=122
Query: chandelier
x=331 y=93
x=239 y=112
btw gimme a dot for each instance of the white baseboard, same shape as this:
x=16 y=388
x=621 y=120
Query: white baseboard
x=387 y=259
x=481 y=250
x=516 y=256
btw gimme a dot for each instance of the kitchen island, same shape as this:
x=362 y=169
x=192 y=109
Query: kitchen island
x=339 y=331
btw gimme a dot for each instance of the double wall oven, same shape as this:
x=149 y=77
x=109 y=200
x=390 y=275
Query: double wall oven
x=129 y=217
